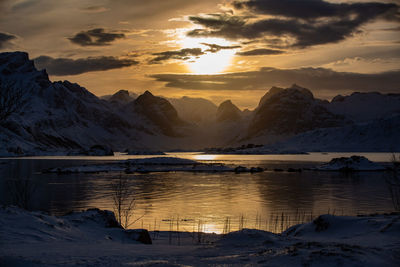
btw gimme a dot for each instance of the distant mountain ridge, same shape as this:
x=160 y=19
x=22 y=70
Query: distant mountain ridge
x=63 y=117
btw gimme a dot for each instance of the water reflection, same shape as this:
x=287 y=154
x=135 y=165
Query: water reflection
x=186 y=199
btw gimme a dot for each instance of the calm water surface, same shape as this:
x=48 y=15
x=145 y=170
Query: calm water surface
x=269 y=200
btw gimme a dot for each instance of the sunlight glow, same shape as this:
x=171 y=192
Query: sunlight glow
x=211 y=228
x=210 y=62
x=205 y=157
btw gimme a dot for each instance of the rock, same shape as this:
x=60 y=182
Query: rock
x=320 y=224
x=140 y=235
x=350 y=164
x=239 y=169
x=256 y=169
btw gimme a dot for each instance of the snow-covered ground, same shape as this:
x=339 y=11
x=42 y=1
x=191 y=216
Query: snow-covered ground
x=353 y=163
x=88 y=238
x=156 y=164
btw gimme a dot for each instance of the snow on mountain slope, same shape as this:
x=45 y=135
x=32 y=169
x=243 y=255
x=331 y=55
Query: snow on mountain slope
x=63 y=116
x=363 y=107
x=381 y=135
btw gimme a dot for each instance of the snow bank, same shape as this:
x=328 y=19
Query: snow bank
x=353 y=163
x=92 y=238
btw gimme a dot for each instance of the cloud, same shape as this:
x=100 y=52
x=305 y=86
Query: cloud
x=304 y=23
x=260 y=52
x=214 y=48
x=182 y=54
x=94 y=9
x=314 y=9
x=5 y=39
x=66 y=66
x=95 y=37
x=313 y=78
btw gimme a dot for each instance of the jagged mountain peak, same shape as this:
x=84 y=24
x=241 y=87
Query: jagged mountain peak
x=227 y=111
x=121 y=97
x=159 y=111
x=272 y=91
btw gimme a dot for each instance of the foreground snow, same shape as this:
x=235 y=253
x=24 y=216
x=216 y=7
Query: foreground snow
x=87 y=238
x=353 y=163
x=156 y=164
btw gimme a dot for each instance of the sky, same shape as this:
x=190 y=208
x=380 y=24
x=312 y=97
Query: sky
x=215 y=49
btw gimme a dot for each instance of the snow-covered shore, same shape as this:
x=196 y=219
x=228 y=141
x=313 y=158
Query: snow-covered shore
x=90 y=238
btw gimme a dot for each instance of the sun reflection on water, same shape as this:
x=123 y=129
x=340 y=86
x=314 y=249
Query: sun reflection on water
x=205 y=157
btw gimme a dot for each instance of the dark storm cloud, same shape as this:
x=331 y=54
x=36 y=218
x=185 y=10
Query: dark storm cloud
x=5 y=38
x=182 y=54
x=66 y=66
x=313 y=9
x=313 y=78
x=320 y=23
x=259 y=52
x=95 y=37
x=214 y=48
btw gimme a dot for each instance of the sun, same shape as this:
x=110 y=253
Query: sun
x=209 y=62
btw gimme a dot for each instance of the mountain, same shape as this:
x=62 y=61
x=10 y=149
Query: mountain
x=291 y=111
x=380 y=135
x=159 y=112
x=363 y=107
x=194 y=110
x=63 y=116
x=228 y=112
x=122 y=97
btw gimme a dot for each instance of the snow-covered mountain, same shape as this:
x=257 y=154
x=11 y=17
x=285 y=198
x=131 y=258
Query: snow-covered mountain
x=62 y=116
x=382 y=135
x=363 y=107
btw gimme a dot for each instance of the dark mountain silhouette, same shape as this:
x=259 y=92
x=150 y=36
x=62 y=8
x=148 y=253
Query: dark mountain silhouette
x=227 y=111
x=291 y=111
x=158 y=111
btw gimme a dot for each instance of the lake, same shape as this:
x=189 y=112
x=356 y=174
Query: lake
x=212 y=202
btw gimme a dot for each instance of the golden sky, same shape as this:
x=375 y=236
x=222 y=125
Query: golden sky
x=213 y=49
